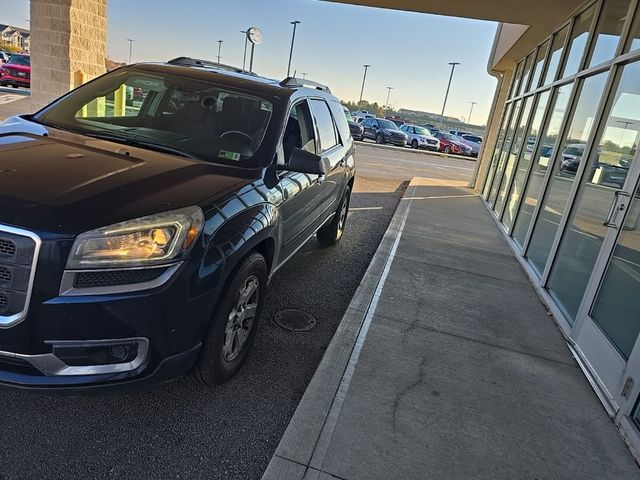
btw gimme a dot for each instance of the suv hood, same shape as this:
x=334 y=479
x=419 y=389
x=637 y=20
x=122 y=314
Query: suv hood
x=63 y=183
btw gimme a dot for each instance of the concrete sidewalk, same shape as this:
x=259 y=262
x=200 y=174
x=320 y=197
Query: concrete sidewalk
x=447 y=366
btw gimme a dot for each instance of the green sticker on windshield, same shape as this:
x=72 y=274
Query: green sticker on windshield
x=229 y=155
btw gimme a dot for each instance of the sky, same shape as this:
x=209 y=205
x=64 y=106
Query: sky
x=408 y=51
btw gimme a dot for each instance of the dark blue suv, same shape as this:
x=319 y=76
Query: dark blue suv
x=137 y=238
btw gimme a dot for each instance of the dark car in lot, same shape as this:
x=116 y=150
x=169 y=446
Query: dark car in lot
x=16 y=72
x=137 y=244
x=357 y=130
x=384 y=131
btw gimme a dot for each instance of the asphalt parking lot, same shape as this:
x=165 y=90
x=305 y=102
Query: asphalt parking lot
x=184 y=430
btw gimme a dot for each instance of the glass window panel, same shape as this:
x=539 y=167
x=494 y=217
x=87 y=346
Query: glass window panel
x=634 y=35
x=541 y=162
x=526 y=74
x=606 y=172
x=516 y=145
x=608 y=31
x=578 y=41
x=506 y=147
x=496 y=151
x=521 y=172
x=515 y=85
x=555 y=54
x=538 y=65
x=569 y=157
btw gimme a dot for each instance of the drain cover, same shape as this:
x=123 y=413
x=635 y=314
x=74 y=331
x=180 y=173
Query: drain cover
x=294 y=320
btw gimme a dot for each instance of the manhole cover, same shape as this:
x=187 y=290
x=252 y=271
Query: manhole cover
x=294 y=320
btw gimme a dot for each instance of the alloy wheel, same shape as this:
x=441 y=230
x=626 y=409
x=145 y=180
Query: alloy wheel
x=241 y=319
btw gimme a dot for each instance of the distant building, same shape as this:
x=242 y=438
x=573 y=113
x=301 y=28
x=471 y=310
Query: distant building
x=16 y=37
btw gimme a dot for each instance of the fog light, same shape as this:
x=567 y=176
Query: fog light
x=105 y=354
x=118 y=351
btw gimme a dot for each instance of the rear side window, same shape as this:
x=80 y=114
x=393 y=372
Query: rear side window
x=341 y=120
x=324 y=122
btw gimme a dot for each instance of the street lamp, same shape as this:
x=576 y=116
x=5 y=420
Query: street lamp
x=471 y=111
x=388 y=94
x=364 y=78
x=219 y=49
x=293 y=38
x=130 y=47
x=446 y=95
x=244 y=56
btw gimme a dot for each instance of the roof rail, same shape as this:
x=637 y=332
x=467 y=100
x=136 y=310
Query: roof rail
x=303 y=82
x=195 y=62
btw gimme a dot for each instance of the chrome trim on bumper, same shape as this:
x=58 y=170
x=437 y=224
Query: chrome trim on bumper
x=51 y=366
x=11 y=320
x=67 y=288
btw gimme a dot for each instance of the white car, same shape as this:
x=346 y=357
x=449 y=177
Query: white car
x=420 y=137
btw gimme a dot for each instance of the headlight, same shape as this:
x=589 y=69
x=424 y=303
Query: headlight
x=155 y=239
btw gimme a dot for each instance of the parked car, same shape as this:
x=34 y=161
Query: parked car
x=571 y=157
x=383 y=131
x=474 y=141
x=16 y=72
x=357 y=130
x=458 y=133
x=451 y=144
x=150 y=254
x=4 y=57
x=420 y=137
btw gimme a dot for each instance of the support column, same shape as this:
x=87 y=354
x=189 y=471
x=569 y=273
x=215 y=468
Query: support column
x=68 y=41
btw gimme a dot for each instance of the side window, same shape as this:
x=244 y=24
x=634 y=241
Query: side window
x=299 y=131
x=367 y=122
x=340 y=120
x=324 y=122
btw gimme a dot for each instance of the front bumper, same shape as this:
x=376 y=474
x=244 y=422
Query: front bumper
x=12 y=80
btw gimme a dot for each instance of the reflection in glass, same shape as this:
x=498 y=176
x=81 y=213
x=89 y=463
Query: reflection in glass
x=521 y=172
x=605 y=173
x=541 y=161
x=555 y=53
x=634 y=34
x=513 y=154
x=578 y=40
x=515 y=84
x=570 y=156
x=538 y=64
x=496 y=151
x=526 y=74
x=506 y=147
x=608 y=31
x=617 y=307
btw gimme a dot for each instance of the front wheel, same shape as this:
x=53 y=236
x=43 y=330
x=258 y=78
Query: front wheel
x=235 y=322
x=331 y=233
x=447 y=149
x=379 y=139
x=414 y=144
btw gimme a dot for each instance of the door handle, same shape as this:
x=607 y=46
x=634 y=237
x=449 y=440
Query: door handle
x=616 y=206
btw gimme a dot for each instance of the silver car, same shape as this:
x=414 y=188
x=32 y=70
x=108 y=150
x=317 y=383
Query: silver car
x=474 y=141
x=420 y=137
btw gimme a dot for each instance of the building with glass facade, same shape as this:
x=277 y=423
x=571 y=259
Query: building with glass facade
x=561 y=178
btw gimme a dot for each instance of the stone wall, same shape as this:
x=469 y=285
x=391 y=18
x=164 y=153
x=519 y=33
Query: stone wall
x=66 y=36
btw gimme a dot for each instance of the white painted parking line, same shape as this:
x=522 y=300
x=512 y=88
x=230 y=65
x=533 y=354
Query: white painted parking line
x=9 y=97
x=359 y=209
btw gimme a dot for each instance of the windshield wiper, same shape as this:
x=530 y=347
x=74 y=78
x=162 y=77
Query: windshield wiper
x=133 y=142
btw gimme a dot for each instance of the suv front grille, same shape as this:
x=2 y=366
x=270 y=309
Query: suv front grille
x=109 y=278
x=18 y=250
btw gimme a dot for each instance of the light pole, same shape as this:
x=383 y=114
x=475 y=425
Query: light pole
x=471 y=111
x=388 y=95
x=244 y=56
x=446 y=95
x=219 y=50
x=130 y=48
x=364 y=78
x=293 y=39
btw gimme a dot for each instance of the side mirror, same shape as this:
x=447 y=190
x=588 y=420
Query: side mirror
x=302 y=161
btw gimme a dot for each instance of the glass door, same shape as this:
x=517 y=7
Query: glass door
x=596 y=274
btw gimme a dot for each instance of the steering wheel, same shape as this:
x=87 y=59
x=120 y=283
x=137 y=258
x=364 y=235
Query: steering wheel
x=237 y=132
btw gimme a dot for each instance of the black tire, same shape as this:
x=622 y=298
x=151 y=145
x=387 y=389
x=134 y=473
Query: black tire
x=333 y=232
x=216 y=364
x=380 y=139
x=447 y=149
x=14 y=86
x=414 y=144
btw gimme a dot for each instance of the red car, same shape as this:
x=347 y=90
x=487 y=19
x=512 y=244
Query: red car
x=16 y=72
x=447 y=143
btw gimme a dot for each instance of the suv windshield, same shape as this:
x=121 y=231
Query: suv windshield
x=20 y=60
x=422 y=131
x=161 y=111
x=382 y=123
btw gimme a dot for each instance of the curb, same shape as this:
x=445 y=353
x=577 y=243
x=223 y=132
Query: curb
x=417 y=152
x=16 y=91
x=297 y=451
